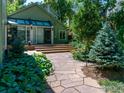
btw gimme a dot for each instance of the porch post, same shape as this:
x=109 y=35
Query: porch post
x=31 y=34
x=6 y=27
x=26 y=36
x=52 y=36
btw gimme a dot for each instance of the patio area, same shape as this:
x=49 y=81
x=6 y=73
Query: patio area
x=68 y=77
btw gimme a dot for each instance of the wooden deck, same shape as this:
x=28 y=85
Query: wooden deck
x=48 y=48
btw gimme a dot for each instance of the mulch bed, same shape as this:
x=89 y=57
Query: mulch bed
x=99 y=74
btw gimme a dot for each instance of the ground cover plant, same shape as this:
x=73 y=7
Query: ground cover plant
x=113 y=86
x=25 y=74
x=111 y=80
x=43 y=63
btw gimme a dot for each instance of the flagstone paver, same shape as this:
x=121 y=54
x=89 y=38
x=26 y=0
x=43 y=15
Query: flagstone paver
x=70 y=90
x=91 y=82
x=88 y=89
x=68 y=76
x=58 y=89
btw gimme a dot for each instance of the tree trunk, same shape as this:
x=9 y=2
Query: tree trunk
x=2 y=27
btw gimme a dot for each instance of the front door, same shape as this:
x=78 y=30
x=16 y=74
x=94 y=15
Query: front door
x=47 y=36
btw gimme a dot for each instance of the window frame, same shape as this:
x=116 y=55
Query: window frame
x=23 y=29
x=63 y=35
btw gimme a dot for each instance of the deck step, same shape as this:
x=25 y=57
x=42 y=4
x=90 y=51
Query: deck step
x=53 y=48
x=54 y=51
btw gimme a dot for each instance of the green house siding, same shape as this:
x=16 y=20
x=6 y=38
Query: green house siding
x=36 y=12
x=58 y=29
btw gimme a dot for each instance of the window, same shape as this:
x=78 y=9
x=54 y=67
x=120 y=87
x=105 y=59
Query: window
x=28 y=34
x=11 y=33
x=39 y=23
x=20 y=21
x=62 y=34
x=33 y=22
x=46 y=24
x=21 y=32
x=27 y=22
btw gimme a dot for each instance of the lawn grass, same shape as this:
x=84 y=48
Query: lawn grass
x=112 y=86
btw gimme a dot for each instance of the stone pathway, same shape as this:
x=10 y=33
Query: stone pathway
x=68 y=77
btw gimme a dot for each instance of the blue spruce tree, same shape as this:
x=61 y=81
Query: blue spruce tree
x=106 y=50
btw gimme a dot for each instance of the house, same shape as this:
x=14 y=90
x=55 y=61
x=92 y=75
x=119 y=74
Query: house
x=2 y=28
x=38 y=25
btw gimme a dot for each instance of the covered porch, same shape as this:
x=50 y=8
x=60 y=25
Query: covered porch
x=34 y=31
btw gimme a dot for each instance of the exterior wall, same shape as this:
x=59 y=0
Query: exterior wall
x=37 y=13
x=2 y=27
x=36 y=34
x=58 y=28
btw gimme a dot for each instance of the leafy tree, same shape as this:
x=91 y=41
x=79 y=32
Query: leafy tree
x=106 y=50
x=86 y=22
x=13 y=5
x=117 y=22
x=62 y=7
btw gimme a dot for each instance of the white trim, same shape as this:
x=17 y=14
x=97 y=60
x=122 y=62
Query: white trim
x=26 y=35
x=52 y=36
x=35 y=35
x=31 y=34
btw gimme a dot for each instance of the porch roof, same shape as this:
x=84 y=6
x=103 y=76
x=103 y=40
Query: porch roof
x=14 y=21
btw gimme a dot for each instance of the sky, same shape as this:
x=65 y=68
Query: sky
x=28 y=1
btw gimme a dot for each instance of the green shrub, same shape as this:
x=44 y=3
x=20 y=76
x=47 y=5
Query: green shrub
x=79 y=52
x=77 y=45
x=17 y=48
x=43 y=63
x=106 y=50
x=120 y=33
x=112 y=86
x=23 y=75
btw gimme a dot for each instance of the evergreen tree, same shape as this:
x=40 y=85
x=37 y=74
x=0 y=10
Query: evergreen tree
x=106 y=50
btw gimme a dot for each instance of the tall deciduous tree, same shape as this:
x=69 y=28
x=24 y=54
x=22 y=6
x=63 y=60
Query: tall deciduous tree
x=62 y=7
x=116 y=19
x=86 y=22
x=13 y=5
